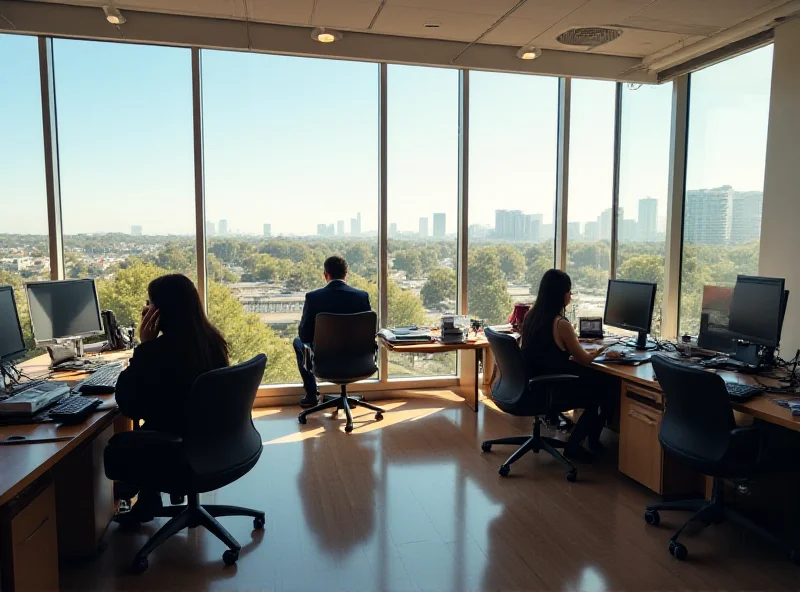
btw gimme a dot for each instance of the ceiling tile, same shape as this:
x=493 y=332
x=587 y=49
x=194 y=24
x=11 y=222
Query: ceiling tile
x=717 y=13
x=550 y=11
x=207 y=8
x=496 y=8
x=345 y=14
x=409 y=22
x=293 y=12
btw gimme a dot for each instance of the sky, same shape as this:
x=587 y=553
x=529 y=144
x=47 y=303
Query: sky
x=293 y=142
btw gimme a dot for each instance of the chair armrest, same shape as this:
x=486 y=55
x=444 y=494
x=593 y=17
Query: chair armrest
x=552 y=379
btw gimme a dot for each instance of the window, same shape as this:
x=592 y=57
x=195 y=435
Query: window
x=291 y=177
x=591 y=186
x=24 y=254
x=726 y=150
x=127 y=174
x=422 y=152
x=512 y=183
x=643 y=186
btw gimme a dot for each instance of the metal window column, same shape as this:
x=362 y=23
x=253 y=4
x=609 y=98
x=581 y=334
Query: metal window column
x=612 y=271
x=199 y=177
x=462 y=250
x=383 y=240
x=675 y=202
x=562 y=172
x=51 y=160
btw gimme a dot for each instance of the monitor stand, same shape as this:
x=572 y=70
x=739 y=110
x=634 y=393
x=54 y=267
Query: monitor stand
x=67 y=355
x=641 y=342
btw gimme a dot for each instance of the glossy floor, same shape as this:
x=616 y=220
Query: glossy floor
x=411 y=503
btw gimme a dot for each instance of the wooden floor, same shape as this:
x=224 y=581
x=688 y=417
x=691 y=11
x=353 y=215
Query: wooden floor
x=411 y=503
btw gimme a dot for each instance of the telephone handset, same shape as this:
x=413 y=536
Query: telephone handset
x=114 y=335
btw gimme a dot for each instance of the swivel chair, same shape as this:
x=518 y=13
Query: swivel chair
x=344 y=352
x=220 y=445
x=515 y=394
x=699 y=430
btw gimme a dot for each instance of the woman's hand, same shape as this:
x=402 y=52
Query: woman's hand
x=148 y=328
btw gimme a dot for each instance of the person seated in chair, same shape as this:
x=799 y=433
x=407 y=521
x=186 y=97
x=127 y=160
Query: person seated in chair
x=548 y=342
x=177 y=344
x=337 y=298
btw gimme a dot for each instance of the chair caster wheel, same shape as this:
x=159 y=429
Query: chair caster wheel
x=301 y=419
x=258 y=523
x=486 y=447
x=678 y=550
x=230 y=557
x=572 y=476
x=378 y=416
x=652 y=517
x=139 y=565
x=504 y=470
x=348 y=428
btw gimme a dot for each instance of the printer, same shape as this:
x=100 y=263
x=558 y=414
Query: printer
x=455 y=328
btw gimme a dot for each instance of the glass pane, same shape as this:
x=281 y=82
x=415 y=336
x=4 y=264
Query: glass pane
x=728 y=116
x=512 y=183
x=423 y=201
x=291 y=173
x=24 y=252
x=643 y=186
x=127 y=173
x=591 y=187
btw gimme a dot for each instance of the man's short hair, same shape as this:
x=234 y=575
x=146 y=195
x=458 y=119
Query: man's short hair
x=336 y=267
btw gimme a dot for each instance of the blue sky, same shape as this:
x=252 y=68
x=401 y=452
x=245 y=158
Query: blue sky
x=293 y=141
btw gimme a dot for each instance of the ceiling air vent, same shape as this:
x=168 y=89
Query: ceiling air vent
x=588 y=36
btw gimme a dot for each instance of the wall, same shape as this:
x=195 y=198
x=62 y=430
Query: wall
x=780 y=224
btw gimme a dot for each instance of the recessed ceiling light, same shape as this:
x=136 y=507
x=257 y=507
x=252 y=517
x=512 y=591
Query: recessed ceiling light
x=324 y=35
x=113 y=15
x=529 y=53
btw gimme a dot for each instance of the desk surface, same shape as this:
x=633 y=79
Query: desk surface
x=22 y=464
x=479 y=342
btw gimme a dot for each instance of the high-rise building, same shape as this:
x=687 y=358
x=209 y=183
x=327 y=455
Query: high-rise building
x=707 y=218
x=325 y=230
x=355 y=225
x=478 y=231
x=648 y=219
x=136 y=230
x=223 y=227
x=393 y=229
x=211 y=229
x=604 y=223
x=502 y=223
x=340 y=228
x=439 y=225
x=423 y=227
x=746 y=217
x=628 y=231
x=516 y=225
x=267 y=230
x=574 y=231
x=591 y=231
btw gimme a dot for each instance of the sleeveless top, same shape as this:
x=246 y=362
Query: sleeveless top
x=542 y=355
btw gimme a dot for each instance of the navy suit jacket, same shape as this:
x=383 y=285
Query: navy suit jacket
x=337 y=298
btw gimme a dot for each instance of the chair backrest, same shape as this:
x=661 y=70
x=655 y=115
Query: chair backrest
x=345 y=346
x=513 y=381
x=220 y=434
x=698 y=416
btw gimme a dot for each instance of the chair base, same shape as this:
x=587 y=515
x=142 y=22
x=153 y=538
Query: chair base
x=190 y=516
x=342 y=401
x=533 y=443
x=708 y=512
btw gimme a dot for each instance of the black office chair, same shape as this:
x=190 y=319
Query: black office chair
x=699 y=430
x=514 y=393
x=344 y=352
x=220 y=446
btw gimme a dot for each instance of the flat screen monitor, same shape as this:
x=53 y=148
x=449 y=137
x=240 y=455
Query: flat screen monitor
x=629 y=305
x=63 y=310
x=12 y=344
x=715 y=316
x=757 y=310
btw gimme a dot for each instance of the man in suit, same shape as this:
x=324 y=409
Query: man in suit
x=337 y=298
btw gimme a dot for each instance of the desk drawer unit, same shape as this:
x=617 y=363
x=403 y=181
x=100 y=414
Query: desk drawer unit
x=640 y=454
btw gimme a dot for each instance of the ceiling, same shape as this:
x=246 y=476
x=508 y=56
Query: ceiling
x=650 y=29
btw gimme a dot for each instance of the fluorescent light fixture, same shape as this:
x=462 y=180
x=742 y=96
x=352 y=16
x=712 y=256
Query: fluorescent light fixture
x=529 y=53
x=113 y=15
x=324 y=35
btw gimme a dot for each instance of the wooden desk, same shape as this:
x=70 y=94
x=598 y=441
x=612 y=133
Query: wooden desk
x=470 y=389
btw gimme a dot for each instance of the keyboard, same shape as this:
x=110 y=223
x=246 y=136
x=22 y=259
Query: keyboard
x=742 y=392
x=101 y=382
x=73 y=409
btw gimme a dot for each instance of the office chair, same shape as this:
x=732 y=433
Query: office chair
x=344 y=352
x=699 y=430
x=220 y=446
x=515 y=394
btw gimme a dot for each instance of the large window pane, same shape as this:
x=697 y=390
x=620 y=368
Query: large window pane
x=591 y=186
x=512 y=181
x=291 y=173
x=423 y=199
x=23 y=198
x=643 y=186
x=728 y=115
x=127 y=176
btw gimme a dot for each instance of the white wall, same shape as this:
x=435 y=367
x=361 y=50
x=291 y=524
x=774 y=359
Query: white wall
x=780 y=225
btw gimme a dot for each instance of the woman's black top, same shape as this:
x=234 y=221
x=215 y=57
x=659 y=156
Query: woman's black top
x=157 y=383
x=542 y=354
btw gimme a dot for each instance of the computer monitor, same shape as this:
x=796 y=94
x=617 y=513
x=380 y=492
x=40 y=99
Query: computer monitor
x=12 y=344
x=629 y=305
x=63 y=310
x=757 y=310
x=715 y=334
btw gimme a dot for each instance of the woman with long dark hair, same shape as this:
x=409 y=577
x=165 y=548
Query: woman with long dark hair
x=548 y=342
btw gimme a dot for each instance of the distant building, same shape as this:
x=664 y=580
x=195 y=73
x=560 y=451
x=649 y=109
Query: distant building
x=325 y=230
x=136 y=230
x=355 y=225
x=746 y=217
x=518 y=226
x=478 y=231
x=574 y=231
x=648 y=219
x=393 y=229
x=591 y=231
x=439 y=225
x=340 y=228
x=223 y=227
x=267 y=230
x=211 y=228
x=604 y=223
x=708 y=216
x=628 y=231
x=423 y=227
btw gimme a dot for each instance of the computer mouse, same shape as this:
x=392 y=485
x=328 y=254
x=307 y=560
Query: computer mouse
x=796 y=411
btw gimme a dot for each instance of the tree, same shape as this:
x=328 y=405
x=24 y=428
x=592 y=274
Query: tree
x=408 y=261
x=440 y=286
x=536 y=269
x=512 y=262
x=487 y=293
x=305 y=277
x=404 y=307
